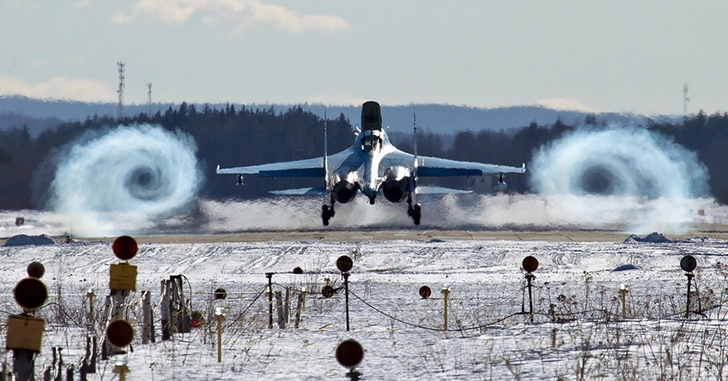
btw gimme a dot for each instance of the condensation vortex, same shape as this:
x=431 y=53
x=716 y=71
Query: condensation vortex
x=138 y=169
x=618 y=161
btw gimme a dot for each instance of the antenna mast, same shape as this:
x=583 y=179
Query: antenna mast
x=120 y=91
x=149 y=86
x=686 y=99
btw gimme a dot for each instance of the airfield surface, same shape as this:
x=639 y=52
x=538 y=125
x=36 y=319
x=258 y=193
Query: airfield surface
x=362 y=235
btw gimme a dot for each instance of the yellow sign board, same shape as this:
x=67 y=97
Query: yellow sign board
x=24 y=332
x=123 y=277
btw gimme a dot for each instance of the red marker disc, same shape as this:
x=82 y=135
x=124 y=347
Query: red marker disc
x=125 y=247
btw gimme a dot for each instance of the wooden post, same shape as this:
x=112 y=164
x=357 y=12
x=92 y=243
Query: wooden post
x=146 y=318
x=181 y=314
x=287 y=305
x=623 y=292
x=165 y=311
x=279 y=308
x=445 y=292
x=23 y=364
x=299 y=307
x=89 y=360
x=90 y=295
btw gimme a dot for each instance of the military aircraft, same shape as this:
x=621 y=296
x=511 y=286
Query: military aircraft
x=370 y=166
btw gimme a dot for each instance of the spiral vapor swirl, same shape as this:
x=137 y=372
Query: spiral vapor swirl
x=617 y=171
x=139 y=170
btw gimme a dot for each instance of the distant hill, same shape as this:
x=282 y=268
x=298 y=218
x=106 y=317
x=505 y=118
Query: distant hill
x=38 y=114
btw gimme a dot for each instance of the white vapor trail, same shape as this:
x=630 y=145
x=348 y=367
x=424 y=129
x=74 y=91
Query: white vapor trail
x=622 y=174
x=125 y=178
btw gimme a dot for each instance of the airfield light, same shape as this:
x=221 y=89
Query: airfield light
x=425 y=292
x=119 y=333
x=220 y=293
x=688 y=264
x=328 y=291
x=344 y=263
x=530 y=264
x=349 y=354
x=36 y=270
x=125 y=247
x=30 y=293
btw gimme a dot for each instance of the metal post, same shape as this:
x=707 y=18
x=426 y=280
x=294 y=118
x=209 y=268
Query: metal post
x=445 y=292
x=346 y=290
x=90 y=294
x=220 y=317
x=146 y=317
x=687 y=308
x=530 y=277
x=270 y=299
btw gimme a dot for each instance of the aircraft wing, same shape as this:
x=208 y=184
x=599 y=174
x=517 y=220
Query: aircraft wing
x=299 y=168
x=437 y=167
x=427 y=189
x=300 y=192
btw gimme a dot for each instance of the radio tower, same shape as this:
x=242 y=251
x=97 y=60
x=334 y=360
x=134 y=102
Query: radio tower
x=149 y=86
x=685 y=102
x=121 y=90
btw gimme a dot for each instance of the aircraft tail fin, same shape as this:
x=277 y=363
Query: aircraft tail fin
x=371 y=116
x=414 y=148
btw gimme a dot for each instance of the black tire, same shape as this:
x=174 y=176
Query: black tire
x=325 y=214
x=417 y=214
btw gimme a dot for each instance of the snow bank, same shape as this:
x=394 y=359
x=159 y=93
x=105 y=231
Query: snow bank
x=35 y=240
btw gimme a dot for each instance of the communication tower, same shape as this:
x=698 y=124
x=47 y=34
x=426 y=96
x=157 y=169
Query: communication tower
x=686 y=99
x=149 y=86
x=121 y=89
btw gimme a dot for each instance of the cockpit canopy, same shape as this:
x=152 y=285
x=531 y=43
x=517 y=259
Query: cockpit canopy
x=371 y=140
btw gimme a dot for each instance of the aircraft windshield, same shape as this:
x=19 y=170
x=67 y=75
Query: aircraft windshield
x=370 y=140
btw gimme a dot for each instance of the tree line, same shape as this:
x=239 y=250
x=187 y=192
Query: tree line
x=232 y=136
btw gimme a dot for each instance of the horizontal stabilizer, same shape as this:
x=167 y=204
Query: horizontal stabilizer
x=300 y=192
x=440 y=190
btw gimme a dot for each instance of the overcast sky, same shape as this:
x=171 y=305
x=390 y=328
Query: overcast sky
x=598 y=55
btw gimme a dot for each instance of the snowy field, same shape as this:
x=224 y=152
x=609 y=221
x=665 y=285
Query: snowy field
x=577 y=330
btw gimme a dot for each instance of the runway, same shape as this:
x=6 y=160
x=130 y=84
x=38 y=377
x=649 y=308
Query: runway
x=719 y=232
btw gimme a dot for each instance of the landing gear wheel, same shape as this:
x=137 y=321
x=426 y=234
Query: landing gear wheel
x=326 y=214
x=415 y=212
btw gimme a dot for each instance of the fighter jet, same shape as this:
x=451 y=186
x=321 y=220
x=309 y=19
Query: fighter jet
x=372 y=166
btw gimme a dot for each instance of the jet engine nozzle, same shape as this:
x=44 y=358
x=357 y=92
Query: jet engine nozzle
x=396 y=186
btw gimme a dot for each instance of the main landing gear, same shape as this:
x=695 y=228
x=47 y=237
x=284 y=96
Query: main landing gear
x=327 y=212
x=414 y=211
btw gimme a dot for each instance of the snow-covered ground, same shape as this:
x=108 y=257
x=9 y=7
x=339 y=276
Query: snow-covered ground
x=577 y=330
